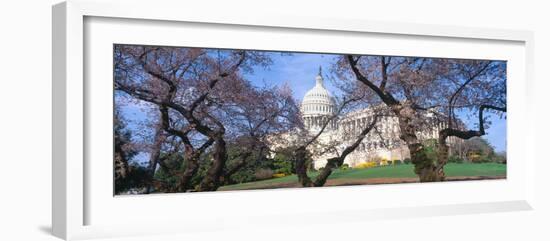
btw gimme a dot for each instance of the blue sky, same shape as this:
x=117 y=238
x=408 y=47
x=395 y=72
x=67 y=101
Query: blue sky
x=299 y=70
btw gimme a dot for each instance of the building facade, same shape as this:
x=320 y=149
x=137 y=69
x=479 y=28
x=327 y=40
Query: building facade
x=380 y=145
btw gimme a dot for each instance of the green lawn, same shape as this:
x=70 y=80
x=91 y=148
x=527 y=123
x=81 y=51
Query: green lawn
x=397 y=171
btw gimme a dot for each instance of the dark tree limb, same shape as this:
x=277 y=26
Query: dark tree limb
x=443 y=148
x=386 y=97
x=336 y=162
x=191 y=154
x=384 y=66
x=452 y=100
x=300 y=154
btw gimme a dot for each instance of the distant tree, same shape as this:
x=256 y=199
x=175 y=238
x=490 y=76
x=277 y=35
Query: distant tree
x=479 y=150
x=500 y=157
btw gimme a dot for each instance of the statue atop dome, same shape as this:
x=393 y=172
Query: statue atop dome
x=319 y=79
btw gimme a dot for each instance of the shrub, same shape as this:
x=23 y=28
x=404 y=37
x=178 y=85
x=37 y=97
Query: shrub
x=282 y=163
x=485 y=159
x=364 y=165
x=396 y=162
x=344 y=166
x=243 y=175
x=479 y=158
x=500 y=157
x=276 y=175
x=262 y=174
x=136 y=179
x=407 y=161
x=455 y=159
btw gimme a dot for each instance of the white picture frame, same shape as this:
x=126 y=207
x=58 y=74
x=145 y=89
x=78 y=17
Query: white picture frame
x=73 y=191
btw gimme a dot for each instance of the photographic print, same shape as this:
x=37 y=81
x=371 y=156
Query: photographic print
x=190 y=119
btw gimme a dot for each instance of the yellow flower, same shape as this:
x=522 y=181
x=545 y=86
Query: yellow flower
x=279 y=175
x=363 y=165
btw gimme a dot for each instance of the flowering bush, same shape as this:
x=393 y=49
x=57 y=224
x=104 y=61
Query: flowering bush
x=363 y=165
x=279 y=175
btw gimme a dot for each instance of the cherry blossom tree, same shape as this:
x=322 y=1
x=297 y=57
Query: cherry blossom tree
x=413 y=87
x=202 y=102
x=187 y=84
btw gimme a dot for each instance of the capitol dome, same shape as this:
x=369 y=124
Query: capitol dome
x=318 y=100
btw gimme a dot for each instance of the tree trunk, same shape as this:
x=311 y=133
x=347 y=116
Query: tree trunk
x=442 y=159
x=191 y=167
x=211 y=181
x=334 y=162
x=121 y=164
x=154 y=157
x=300 y=156
x=226 y=178
x=423 y=166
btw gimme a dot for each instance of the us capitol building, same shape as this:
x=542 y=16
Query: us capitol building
x=382 y=142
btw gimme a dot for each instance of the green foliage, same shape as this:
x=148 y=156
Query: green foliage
x=500 y=157
x=243 y=175
x=126 y=175
x=481 y=151
x=407 y=161
x=204 y=164
x=173 y=162
x=255 y=163
x=455 y=159
x=263 y=173
x=135 y=179
x=344 y=166
x=480 y=158
x=283 y=163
